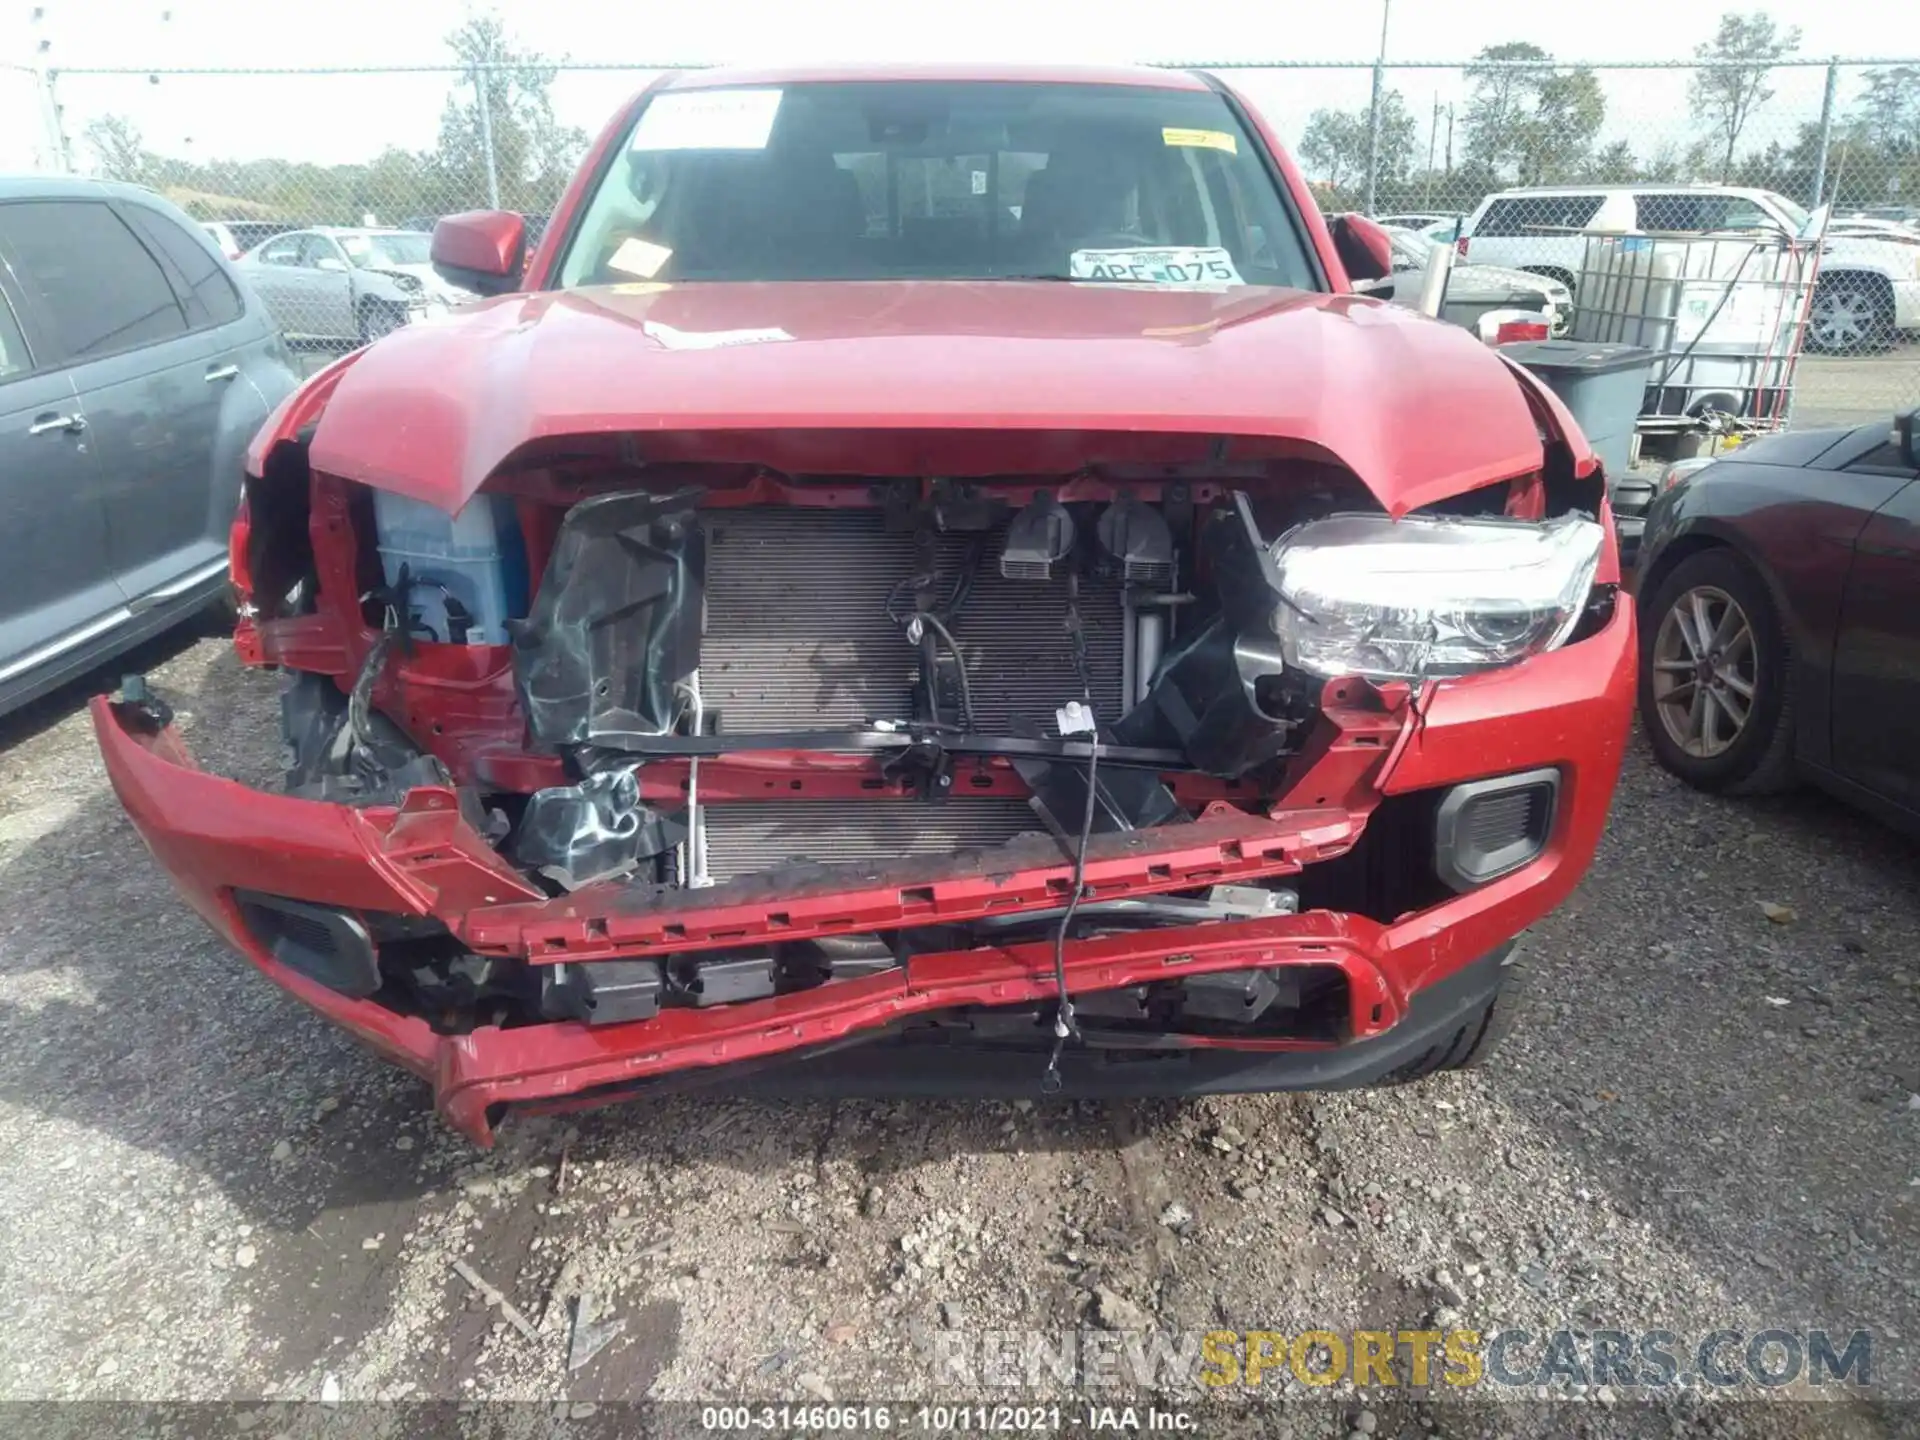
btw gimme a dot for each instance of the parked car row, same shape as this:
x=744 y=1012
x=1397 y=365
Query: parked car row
x=1869 y=285
x=332 y=284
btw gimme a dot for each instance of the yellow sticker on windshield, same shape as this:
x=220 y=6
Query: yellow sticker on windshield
x=1200 y=139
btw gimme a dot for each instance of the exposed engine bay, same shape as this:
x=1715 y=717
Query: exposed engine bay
x=769 y=692
x=932 y=636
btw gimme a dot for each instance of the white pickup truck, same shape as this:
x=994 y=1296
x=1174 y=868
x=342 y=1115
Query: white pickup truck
x=1869 y=285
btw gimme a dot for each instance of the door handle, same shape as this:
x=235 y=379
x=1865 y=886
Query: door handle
x=222 y=372
x=46 y=424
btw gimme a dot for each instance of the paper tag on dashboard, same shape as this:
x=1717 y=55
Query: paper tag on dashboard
x=639 y=257
x=1163 y=265
x=707 y=120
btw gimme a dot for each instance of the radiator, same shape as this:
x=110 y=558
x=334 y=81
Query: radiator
x=745 y=837
x=797 y=635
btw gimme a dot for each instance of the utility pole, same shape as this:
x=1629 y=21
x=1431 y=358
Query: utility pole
x=1373 y=116
x=1826 y=135
x=482 y=84
x=1433 y=136
x=58 y=152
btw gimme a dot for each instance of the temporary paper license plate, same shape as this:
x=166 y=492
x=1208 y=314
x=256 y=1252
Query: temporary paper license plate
x=1170 y=265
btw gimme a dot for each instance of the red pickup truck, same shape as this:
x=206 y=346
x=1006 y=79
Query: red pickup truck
x=925 y=580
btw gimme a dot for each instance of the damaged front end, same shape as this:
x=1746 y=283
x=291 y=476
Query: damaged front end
x=630 y=769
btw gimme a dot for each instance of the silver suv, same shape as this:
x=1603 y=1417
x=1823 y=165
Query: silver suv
x=134 y=369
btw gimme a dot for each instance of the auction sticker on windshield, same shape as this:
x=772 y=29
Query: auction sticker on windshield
x=1199 y=139
x=707 y=120
x=1161 y=265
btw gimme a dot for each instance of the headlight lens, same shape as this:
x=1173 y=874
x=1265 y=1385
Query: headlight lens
x=1428 y=596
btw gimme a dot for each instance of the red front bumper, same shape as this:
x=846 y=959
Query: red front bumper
x=1568 y=710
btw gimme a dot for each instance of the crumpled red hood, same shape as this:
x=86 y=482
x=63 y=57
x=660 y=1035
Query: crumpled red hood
x=1418 y=410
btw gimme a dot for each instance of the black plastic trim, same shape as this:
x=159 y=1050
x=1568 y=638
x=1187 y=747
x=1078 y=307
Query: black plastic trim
x=1456 y=863
x=345 y=962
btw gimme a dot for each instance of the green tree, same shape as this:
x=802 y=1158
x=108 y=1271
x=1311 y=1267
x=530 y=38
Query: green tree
x=1613 y=164
x=1889 y=112
x=119 y=152
x=1334 y=144
x=1731 y=83
x=1527 y=120
x=1568 y=110
x=534 y=154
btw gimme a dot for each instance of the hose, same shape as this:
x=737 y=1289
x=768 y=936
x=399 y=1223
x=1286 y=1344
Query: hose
x=697 y=877
x=960 y=665
x=1065 y=1024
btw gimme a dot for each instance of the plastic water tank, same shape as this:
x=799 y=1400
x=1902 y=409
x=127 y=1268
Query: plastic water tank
x=466 y=573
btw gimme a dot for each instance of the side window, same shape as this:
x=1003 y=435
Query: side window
x=315 y=248
x=1743 y=214
x=1537 y=214
x=101 y=291
x=1887 y=458
x=206 y=281
x=14 y=359
x=1688 y=214
x=284 y=251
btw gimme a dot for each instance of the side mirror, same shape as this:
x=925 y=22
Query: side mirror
x=1906 y=434
x=484 y=251
x=331 y=262
x=1365 y=250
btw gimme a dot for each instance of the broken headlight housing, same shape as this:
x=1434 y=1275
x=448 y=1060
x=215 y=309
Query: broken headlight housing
x=1429 y=596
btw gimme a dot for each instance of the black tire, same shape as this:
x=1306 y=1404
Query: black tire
x=1851 y=315
x=378 y=318
x=1760 y=758
x=1467 y=1045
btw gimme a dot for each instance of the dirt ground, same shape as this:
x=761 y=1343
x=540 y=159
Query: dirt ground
x=1708 y=1119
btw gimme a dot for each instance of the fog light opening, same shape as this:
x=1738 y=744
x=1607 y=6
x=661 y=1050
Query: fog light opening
x=1489 y=828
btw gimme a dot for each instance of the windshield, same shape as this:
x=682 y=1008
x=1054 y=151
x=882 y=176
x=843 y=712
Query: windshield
x=400 y=247
x=1409 y=247
x=1795 y=212
x=874 y=181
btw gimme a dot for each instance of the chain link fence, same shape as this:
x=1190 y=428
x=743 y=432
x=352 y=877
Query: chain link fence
x=1528 y=157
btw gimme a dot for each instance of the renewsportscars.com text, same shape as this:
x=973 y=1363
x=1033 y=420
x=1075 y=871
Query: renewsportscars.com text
x=1316 y=1358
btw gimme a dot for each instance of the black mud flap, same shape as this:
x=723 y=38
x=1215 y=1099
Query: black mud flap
x=616 y=624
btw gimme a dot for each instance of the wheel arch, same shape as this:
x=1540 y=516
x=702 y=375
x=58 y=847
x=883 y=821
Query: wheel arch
x=1838 y=273
x=1552 y=272
x=1809 y=681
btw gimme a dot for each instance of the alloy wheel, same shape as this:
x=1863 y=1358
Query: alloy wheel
x=1843 y=319
x=1705 y=667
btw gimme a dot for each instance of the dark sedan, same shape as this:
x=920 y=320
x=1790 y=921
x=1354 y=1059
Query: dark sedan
x=1780 y=617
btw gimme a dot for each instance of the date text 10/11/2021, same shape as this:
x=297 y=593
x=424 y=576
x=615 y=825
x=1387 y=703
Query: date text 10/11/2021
x=947 y=1419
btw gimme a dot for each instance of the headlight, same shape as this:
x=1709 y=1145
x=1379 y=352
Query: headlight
x=1428 y=596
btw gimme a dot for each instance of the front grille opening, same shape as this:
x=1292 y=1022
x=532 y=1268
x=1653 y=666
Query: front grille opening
x=1390 y=873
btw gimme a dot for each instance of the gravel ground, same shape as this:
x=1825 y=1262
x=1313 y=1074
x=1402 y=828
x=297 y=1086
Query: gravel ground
x=1707 y=1119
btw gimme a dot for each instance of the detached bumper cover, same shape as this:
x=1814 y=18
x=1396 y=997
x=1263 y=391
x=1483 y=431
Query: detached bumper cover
x=1567 y=710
